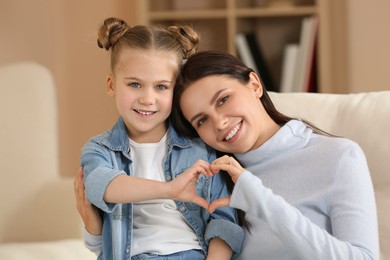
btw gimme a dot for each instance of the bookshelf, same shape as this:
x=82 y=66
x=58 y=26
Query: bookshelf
x=276 y=24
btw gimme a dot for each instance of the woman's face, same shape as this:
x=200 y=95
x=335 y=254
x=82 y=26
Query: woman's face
x=228 y=114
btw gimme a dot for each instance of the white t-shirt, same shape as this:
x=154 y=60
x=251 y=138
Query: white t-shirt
x=158 y=227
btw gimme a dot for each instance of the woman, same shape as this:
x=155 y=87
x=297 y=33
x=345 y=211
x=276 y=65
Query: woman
x=306 y=194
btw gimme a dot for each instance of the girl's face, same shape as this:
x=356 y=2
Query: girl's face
x=228 y=114
x=142 y=85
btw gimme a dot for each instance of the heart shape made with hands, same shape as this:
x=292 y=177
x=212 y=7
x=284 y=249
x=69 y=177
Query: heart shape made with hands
x=184 y=186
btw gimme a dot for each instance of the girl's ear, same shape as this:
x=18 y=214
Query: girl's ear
x=110 y=86
x=255 y=84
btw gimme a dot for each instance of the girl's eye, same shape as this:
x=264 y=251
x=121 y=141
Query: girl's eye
x=134 y=85
x=223 y=100
x=161 y=87
x=201 y=121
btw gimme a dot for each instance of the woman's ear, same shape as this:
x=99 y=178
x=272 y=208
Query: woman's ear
x=110 y=86
x=255 y=84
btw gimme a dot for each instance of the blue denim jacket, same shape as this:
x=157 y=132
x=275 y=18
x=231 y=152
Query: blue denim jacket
x=107 y=155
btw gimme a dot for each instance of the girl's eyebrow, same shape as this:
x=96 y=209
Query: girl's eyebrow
x=132 y=78
x=212 y=100
x=163 y=81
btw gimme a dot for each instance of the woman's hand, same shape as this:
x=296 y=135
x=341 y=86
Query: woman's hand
x=183 y=187
x=88 y=212
x=234 y=169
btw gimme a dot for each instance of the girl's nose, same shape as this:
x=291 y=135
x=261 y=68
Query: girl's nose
x=146 y=97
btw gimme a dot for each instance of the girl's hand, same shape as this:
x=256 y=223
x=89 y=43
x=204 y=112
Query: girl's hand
x=183 y=187
x=234 y=169
x=88 y=212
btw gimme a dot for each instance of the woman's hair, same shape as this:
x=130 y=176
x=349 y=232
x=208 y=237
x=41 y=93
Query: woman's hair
x=115 y=34
x=210 y=63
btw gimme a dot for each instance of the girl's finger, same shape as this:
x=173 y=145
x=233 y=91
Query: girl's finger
x=205 y=166
x=203 y=169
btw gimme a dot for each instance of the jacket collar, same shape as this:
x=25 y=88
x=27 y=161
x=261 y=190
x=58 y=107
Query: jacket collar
x=118 y=140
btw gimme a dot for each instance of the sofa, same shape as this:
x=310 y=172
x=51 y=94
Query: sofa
x=38 y=218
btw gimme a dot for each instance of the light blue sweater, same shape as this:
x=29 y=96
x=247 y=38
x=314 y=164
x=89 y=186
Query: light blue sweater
x=307 y=196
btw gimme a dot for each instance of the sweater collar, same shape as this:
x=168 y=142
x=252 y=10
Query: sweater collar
x=294 y=135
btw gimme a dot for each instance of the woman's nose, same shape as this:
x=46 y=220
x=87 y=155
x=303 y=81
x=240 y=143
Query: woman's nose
x=221 y=122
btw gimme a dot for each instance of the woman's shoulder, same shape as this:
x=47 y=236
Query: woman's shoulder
x=338 y=146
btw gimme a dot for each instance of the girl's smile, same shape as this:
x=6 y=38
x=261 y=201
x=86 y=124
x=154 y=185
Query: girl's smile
x=144 y=113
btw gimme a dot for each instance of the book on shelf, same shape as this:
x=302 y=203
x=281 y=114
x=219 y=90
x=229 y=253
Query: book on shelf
x=290 y=55
x=249 y=51
x=304 y=70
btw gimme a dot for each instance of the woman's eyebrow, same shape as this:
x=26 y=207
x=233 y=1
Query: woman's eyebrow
x=212 y=100
x=216 y=95
x=195 y=117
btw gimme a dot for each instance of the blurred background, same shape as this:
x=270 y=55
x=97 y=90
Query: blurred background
x=61 y=35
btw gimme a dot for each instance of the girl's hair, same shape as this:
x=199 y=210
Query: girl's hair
x=115 y=34
x=210 y=63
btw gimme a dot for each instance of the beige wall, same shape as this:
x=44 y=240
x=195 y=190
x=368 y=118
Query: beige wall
x=368 y=28
x=61 y=34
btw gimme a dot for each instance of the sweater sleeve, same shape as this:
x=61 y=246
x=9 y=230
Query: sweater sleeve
x=92 y=243
x=352 y=214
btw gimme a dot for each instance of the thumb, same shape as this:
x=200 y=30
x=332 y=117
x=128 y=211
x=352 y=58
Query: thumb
x=219 y=203
x=201 y=202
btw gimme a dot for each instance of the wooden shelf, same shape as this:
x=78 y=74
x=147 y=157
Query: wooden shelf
x=219 y=21
x=179 y=15
x=275 y=11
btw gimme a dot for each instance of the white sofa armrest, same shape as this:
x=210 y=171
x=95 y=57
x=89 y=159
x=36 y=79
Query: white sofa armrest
x=58 y=217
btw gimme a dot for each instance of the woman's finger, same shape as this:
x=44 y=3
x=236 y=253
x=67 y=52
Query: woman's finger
x=201 y=202
x=219 y=203
x=202 y=168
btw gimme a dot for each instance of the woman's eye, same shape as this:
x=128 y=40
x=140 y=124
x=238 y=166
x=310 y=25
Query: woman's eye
x=134 y=85
x=161 y=87
x=201 y=121
x=223 y=100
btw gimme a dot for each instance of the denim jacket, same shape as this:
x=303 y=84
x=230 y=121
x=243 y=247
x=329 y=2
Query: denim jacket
x=107 y=155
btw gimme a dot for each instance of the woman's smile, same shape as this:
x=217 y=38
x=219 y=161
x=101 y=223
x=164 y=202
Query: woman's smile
x=233 y=134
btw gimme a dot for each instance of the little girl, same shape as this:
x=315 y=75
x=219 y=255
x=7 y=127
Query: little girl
x=149 y=182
